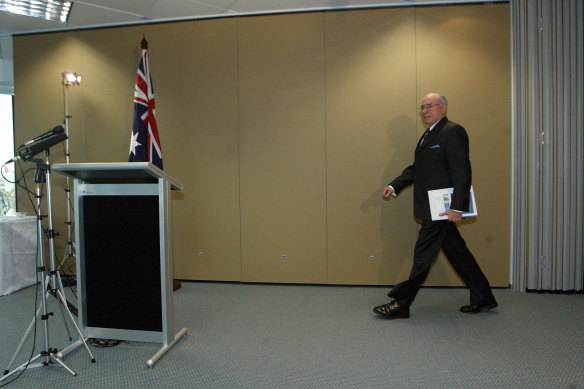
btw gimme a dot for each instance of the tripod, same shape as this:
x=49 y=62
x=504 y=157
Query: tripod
x=51 y=285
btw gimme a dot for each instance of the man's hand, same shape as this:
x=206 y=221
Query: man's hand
x=453 y=216
x=387 y=191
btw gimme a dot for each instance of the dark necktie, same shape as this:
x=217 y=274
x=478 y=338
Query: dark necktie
x=424 y=137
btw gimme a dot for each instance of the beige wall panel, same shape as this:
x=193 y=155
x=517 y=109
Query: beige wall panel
x=463 y=53
x=371 y=130
x=282 y=146
x=110 y=59
x=197 y=104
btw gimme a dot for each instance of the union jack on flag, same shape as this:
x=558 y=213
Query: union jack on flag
x=145 y=142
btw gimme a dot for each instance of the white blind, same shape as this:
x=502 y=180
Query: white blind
x=548 y=143
x=6 y=66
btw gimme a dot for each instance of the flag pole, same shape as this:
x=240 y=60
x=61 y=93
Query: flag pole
x=176 y=284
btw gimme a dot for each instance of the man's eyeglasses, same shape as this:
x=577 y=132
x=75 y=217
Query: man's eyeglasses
x=429 y=106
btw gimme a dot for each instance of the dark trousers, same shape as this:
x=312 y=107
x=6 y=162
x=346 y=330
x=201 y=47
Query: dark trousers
x=433 y=236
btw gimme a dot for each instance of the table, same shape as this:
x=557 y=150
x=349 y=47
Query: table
x=18 y=251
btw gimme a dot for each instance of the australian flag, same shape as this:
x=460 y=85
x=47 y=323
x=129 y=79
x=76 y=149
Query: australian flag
x=145 y=142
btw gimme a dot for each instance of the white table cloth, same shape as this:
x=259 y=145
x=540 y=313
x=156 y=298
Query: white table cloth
x=18 y=246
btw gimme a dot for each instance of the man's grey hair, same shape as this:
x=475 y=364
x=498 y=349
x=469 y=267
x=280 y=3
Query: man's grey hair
x=442 y=100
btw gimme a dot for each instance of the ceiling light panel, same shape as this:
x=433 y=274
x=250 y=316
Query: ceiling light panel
x=54 y=10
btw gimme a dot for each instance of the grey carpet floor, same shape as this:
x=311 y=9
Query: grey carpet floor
x=298 y=336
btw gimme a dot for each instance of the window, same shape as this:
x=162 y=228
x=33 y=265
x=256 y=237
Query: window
x=7 y=187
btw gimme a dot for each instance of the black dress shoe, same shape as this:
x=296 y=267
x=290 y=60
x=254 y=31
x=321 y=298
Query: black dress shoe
x=476 y=308
x=392 y=310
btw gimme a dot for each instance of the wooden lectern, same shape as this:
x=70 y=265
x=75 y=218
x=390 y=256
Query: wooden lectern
x=124 y=252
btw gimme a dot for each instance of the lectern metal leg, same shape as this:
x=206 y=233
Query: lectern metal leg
x=165 y=348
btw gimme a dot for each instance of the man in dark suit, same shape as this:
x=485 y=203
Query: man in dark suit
x=441 y=161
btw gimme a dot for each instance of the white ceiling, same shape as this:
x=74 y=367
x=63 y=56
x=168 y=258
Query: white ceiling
x=98 y=13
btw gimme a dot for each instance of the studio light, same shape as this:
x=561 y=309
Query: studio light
x=71 y=78
x=55 y=10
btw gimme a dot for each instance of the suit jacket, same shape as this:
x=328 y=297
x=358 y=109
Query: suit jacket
x=442 y=161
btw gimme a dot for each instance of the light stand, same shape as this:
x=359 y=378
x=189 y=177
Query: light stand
x=50 y=283
x=69 y=79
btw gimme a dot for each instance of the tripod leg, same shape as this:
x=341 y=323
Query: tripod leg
x=26 y=334
x=64 y=302
x=8 y=373
x=62 y=365
x=28 y=330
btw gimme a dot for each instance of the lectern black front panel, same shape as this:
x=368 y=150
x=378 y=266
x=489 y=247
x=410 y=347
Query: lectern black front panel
x=122 y=262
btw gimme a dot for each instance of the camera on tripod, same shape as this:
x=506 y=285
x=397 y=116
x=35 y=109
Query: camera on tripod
x=50 y=279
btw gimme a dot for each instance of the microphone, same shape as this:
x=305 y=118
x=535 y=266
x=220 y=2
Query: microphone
x=56 y=130
x=27 y=152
